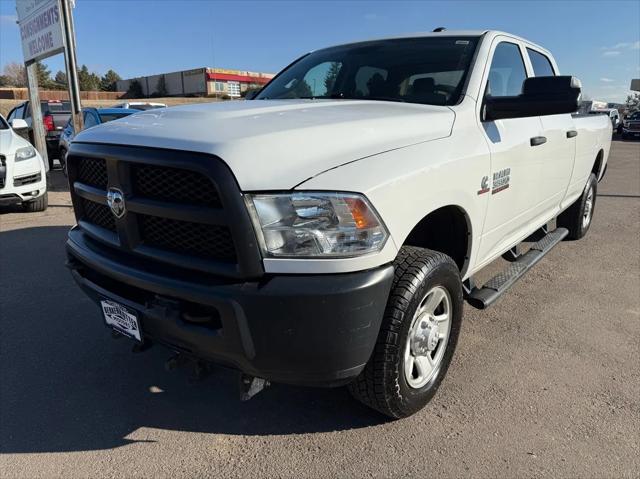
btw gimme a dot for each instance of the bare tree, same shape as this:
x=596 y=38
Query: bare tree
x=16 y=74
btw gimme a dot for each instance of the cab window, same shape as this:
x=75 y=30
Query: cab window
x=507 y=72
x=90 y=121
x=540 y=63
x=17 y=113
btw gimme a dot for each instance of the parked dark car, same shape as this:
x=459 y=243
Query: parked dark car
x=91 y=117
x=631 y=126
x=55 y=115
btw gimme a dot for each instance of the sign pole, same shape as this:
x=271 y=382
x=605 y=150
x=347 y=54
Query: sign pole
x=41 y=36
x=36 y=113
x=71 y=65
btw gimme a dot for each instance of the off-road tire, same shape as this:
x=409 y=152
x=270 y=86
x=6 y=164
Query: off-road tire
x=39 y=204
x=382 y=384
x=571 y=218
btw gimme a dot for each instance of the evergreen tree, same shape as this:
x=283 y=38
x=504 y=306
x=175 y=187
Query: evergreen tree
x=108 y=81
x=61 y=78
x=330 y=78
x=44 y=76
x=161 y=87
x=135 y=89
x=88 y=81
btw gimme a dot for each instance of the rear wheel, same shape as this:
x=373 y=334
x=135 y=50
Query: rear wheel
x=63 y=160
x=577 y=218
x=39 y=204
x=418 y=335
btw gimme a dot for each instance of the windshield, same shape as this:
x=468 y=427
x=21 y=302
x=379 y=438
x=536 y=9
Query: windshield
x=3 y=123
x=426 y=70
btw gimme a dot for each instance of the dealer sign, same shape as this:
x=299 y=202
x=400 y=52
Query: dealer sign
x=40 y=23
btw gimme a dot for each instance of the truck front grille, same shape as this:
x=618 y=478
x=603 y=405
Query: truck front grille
x=207 y=241
x=98 y=214
x=93 y=172
x=181 y=208
x=175 y=185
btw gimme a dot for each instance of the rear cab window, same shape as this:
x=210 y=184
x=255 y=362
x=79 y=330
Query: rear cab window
x=541 y=64
x=55 y=107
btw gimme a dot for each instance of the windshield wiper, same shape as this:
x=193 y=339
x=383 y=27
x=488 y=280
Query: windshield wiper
x=381 y=98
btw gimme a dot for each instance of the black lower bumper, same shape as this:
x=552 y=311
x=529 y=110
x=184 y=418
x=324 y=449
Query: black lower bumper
x=300 y=329
x=7 y=200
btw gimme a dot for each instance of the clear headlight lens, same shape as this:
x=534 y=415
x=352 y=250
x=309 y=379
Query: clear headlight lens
x=25 y=153
x=316 y=224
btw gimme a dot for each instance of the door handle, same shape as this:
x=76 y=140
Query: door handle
x=572 y=134
x=538 y=140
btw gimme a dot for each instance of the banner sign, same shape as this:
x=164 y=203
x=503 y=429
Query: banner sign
x=40 y=23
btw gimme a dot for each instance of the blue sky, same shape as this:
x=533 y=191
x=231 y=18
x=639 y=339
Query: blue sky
x=597 y=41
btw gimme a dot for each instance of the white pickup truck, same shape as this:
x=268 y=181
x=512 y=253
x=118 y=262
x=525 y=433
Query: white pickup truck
x=328 y=231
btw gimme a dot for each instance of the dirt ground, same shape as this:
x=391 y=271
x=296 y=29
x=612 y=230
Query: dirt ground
x=546 y=383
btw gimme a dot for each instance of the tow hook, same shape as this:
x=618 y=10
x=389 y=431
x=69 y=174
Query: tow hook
x=250 y=386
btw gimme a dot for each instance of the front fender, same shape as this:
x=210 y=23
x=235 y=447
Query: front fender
x=407 y=184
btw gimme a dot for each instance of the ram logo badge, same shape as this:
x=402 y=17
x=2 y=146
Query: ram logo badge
x=115 y=201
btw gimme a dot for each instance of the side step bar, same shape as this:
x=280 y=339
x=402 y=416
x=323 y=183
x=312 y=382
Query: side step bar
x=485 y=296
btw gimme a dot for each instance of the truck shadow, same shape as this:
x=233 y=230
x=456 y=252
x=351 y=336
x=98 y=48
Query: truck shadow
x=65 y=385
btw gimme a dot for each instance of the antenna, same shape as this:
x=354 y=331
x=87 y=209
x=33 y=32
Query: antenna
x=439 y=29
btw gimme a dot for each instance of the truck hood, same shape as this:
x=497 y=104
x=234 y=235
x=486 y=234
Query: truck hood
x=277 y=144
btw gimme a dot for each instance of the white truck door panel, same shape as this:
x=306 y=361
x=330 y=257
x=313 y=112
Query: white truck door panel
x=557 y=157
x=515 y=163
x=514 y=181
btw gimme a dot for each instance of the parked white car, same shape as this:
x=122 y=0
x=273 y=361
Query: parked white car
x=22 y=171
x=328 y=231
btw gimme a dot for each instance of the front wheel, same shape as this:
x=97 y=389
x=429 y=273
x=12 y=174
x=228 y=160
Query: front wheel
x=418 y=335
x=39 y=204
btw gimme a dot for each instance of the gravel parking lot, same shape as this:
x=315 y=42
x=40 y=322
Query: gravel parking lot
x=545 y=383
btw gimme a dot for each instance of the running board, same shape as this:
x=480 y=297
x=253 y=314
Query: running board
x=485 y=296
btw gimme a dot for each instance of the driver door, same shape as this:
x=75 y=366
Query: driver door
x=515 y=161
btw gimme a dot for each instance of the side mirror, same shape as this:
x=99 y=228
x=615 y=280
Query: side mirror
x=251 y=94
x=19 y=124
x=540 y=96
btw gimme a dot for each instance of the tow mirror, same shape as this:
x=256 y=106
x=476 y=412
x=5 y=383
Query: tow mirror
x=540 y=96
x=19 y=124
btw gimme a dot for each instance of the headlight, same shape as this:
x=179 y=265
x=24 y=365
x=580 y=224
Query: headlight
x=316 y=224
x=25 y=153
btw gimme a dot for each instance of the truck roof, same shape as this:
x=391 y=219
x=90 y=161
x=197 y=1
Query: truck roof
x=446 y=33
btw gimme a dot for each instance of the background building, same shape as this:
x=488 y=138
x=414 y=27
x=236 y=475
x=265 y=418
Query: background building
x=198 y=82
